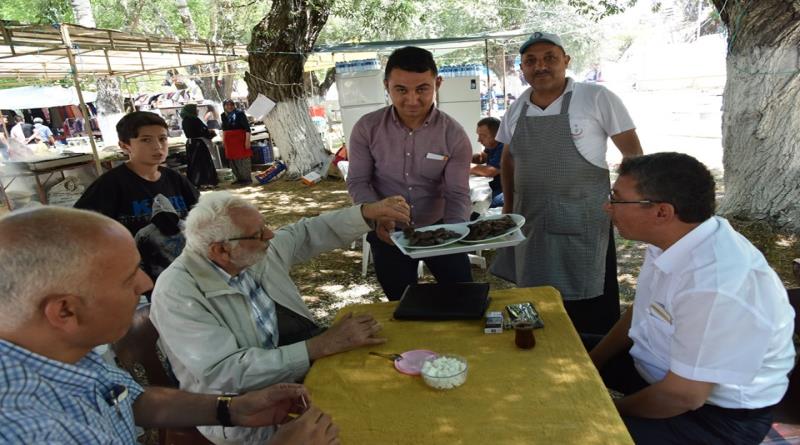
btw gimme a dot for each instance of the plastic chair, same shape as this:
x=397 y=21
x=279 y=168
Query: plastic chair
x=366 y=258
x=365 y=255
x=139 y=346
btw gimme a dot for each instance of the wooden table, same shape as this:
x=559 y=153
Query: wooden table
x=551 y=394
x=37 y=175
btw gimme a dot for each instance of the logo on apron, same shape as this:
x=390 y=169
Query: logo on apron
x=576 y=130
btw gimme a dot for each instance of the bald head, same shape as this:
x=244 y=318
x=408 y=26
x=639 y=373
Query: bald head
x=52 y=223
x=50 y=250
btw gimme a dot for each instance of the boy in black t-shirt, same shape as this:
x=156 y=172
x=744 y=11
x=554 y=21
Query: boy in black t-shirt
x=126 y=193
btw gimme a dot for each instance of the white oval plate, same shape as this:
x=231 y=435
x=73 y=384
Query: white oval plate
x=462 y=230
x=519 y=221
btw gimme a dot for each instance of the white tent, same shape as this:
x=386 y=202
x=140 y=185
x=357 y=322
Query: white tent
x=41 y=97
x=42 y=52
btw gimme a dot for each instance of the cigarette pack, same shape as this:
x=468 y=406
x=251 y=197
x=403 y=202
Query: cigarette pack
x=494 y=323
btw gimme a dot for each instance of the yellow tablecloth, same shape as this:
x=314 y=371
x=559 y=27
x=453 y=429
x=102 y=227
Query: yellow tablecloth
x=551 y=394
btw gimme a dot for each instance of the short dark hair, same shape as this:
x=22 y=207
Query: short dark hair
x=676 y=178
x=411 y=58
x=128 y=127
x=492 y=123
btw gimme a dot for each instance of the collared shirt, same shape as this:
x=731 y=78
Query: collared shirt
x=261 y=305
x=595 y=113
x=710 y=309
x=47 y=401
x=428 y=166
x=44 y=132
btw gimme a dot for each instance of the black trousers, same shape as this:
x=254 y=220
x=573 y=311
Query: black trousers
x=395 y=270
x=597 y=315
x=708 y=424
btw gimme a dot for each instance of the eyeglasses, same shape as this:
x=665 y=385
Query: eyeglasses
x=257 y=237
x=613 y=201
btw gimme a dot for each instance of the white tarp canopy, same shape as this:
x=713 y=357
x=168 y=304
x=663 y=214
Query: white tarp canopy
x=41 y=97
x=39 y=52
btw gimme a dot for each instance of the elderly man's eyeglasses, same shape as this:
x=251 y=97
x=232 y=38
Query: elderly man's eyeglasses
x=612 y=200
x=257 y=237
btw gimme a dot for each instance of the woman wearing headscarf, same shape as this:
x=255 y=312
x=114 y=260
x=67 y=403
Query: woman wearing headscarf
x=236 y=138
x=200 y=168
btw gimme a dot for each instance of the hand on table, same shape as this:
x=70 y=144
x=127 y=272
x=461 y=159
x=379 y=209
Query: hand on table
x=269 y=406
x=312 y=428
x=351 y=332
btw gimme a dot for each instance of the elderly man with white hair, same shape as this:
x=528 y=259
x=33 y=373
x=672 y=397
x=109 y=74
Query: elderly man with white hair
x=70 y=280
x=230 y=317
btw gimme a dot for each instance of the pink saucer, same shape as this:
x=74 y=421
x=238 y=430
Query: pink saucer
x=411 y=363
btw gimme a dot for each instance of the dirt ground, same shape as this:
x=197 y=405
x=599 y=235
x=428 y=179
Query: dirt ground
x=333 y=280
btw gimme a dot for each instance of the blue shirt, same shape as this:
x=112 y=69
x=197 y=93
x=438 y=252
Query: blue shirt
x=44 y=401
x=493 y=155
x=262 y=307
x=44 y=131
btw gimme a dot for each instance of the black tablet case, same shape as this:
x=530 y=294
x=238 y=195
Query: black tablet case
x=452 y=301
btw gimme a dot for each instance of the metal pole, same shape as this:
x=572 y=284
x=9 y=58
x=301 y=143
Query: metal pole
x=505 y=95
x=71 y=57
x=488 y=75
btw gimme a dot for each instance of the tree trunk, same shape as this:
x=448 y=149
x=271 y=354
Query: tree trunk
x=760 y=113
x=186 y=18
x=82 y=10
x=110 y=108
x=226 y=88
x=315 y=87
x=306 y=151
x=109 y=96
x=278 y=51
x=136 y=15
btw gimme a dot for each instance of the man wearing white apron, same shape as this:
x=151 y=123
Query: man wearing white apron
x=555 y=174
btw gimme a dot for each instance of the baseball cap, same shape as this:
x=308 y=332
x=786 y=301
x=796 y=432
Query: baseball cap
x=541 y=37
x=38 y=120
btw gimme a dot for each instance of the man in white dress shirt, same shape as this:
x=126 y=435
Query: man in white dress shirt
x=705 y=351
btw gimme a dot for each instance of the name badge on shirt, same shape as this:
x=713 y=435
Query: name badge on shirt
x=436 y=157
x=658 y=311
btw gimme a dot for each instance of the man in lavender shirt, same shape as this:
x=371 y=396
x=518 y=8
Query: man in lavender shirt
x=413 y=150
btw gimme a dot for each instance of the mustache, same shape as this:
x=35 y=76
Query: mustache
x=538 y=72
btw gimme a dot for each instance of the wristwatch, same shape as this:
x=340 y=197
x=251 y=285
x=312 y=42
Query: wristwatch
x=224 y=409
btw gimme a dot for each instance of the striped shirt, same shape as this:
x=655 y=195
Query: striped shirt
x=262 y=307
x=44 y=401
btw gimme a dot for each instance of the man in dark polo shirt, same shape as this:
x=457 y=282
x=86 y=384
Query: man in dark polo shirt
x=489 y=159
x=411 y=149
